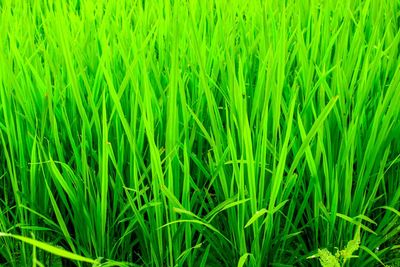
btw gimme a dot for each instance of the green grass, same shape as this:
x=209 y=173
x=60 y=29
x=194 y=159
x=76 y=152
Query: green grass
x=199 y=133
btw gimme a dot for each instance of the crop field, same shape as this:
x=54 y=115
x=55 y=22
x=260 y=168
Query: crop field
x=200 y=133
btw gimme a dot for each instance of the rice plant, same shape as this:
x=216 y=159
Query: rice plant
x=199 y=133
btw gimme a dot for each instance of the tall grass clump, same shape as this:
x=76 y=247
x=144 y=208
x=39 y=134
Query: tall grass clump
x=199 y=133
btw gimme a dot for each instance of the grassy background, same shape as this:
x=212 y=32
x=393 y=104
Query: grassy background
x=199 y=133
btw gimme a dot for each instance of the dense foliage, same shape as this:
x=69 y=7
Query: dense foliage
x=199 y=133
